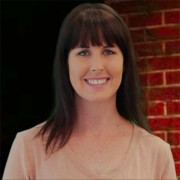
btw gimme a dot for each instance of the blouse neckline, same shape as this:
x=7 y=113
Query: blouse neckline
x=118 y=170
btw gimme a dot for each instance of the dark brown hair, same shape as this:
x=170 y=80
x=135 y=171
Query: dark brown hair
x=91 y=23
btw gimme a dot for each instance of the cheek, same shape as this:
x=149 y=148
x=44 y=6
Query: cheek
x=117 y=69
x=76 y=71
x=73 y=68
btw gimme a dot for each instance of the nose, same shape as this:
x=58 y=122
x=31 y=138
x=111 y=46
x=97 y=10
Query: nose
x=96 y=69
x=96 y=64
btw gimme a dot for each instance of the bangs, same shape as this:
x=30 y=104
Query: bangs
x=96 y=27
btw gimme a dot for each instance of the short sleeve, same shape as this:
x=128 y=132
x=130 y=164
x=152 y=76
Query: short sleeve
x=169 y=167
x=18 y=165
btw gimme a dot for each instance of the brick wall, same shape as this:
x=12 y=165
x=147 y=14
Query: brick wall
x=155 y=29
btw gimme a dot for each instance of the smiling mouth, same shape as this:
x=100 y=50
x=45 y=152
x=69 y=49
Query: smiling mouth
x=97 y=81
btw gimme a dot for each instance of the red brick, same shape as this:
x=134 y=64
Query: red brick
x=141 y=65
x=172 y=47
x=177 y=165
x=173 y=77
x=163 y=93
x=128 y=6
x=176 y=153
x=171 y=123
x=149 y=49
x=173 y=107
x=162 y=4
x=143 y=79
x=163 y=33
x=172 y=17
x=151 y=79
x=144 y=6
x=174 y=138
x=138 y=35
x=161 y=135
x=145 y=19
x=155 y=108
x=163 y=63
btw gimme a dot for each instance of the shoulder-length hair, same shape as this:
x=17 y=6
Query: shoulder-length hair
x=91 y=23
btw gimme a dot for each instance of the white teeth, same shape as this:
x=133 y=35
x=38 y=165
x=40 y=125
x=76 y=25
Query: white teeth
x=100 y=81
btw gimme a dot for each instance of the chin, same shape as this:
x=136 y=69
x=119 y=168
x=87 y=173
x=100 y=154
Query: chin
x=99 y=99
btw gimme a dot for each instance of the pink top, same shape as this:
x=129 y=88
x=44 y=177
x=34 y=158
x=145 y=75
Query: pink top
x=148 y=157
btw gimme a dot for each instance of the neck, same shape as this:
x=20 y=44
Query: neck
x=96 y=117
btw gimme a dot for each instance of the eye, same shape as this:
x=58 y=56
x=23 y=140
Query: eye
x=84 y=53
x=108 y=52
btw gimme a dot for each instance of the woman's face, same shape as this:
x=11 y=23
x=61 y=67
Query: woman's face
x=95 y=71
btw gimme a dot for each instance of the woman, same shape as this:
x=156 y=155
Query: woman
x=97 y=130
